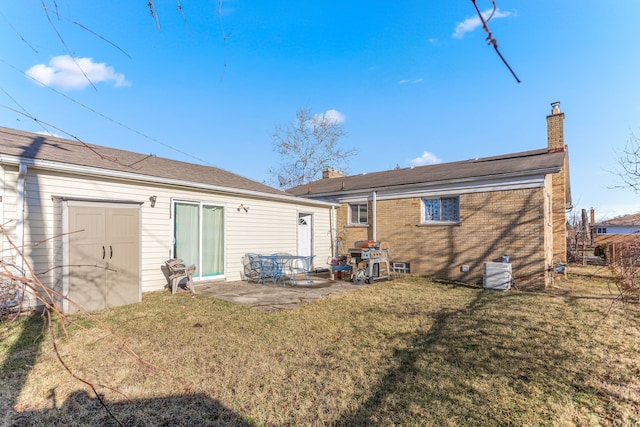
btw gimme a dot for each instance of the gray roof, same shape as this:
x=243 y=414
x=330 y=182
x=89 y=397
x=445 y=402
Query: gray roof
x=525 y=163
x=632 y=220
x=29 y=145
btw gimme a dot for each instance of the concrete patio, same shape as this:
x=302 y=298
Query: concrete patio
x=270 y=298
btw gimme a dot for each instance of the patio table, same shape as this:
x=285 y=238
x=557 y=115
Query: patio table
x=279 y=268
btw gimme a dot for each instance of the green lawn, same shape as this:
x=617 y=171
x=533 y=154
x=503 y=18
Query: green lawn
x=407 y=352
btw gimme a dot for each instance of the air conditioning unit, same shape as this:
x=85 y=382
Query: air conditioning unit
x=497 y=276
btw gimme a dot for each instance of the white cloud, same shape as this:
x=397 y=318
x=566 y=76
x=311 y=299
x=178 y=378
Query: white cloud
x=66 y=73
x=427 y=158
x=409 y=81
x=330 y=116
x=470 y=24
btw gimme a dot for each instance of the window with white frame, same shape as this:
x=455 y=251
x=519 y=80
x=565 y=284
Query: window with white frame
x=601 y=230
x=441 y=210
x=358 y=213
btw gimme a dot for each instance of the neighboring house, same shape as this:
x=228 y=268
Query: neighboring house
x=447 y=220
x=96 y=224
x=619 y=229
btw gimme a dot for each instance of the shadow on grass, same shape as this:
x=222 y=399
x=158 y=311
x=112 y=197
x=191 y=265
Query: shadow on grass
x=186 y=410
x=81 y=409
x=484 y=364
x=20 y=356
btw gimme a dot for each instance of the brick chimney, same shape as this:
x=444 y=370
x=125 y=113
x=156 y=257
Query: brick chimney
x=561 y=193
x=330 y=173
x=555 y=129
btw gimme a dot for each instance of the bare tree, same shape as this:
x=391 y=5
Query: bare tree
x=307 y=146
x=629 y=162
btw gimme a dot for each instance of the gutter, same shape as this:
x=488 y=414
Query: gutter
x=83 y=170
x=368 y=190
x=18 y=254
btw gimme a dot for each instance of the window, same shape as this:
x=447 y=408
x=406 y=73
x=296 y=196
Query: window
x=444 y=209
x=601 y=230
x=358 y=213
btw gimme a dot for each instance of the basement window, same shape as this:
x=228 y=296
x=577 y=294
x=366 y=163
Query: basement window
x=358 y=213
x=441 y=210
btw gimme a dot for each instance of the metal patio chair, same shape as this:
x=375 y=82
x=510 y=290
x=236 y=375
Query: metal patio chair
x=251 y=264
x=301 y=265
x=271 y=268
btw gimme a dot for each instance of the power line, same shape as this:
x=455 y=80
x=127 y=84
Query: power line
x=46 y=12
x=104 y=116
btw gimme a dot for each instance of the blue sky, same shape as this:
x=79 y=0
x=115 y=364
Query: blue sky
x=414 y=81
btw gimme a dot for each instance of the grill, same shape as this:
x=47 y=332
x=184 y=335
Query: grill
x=371 y=259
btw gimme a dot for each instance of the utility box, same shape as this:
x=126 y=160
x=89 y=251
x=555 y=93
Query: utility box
x=497 y=276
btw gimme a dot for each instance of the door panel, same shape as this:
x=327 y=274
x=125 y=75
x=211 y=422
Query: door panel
x=123 y=257
x=86 y=270
x=212 y=241
x=186 y=233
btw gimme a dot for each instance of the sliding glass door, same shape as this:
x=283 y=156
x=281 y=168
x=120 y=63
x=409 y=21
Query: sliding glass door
x=199 y=237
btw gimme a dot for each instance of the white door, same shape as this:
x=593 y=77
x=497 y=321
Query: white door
x=304 y=234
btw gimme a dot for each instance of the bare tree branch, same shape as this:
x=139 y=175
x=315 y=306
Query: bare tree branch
x=490 y=39
x=46 y=12
x=629 y=162
x=154 y=12
x=307 y=146
x=47 y=297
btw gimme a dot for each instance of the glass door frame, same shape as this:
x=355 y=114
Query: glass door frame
x=198 y=275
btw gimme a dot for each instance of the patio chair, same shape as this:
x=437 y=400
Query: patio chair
x=251 y=267
x=271 y=268
x=301 y=265
x=178 y=272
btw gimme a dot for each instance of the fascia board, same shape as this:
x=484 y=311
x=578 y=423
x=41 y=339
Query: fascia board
x=448 y=188
x=535 y=175
x=128 y=176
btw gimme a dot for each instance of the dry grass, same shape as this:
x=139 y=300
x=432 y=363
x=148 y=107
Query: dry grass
x=407 y=352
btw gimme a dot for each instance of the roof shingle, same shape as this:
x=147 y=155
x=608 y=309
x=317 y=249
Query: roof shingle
x=41 y=147
x=622 y=221
x=516 y=163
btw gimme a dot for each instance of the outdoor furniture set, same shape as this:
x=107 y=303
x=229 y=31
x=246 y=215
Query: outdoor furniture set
x=278 y=268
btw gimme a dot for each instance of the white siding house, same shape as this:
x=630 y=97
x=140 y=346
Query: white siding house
x=55 y=192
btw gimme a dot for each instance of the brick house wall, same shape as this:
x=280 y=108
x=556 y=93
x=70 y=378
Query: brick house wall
x=492 y=224
x=525 y=220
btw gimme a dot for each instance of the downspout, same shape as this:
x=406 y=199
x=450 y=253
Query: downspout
x=19 y=241
x=374 y=229
x=332 y=232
